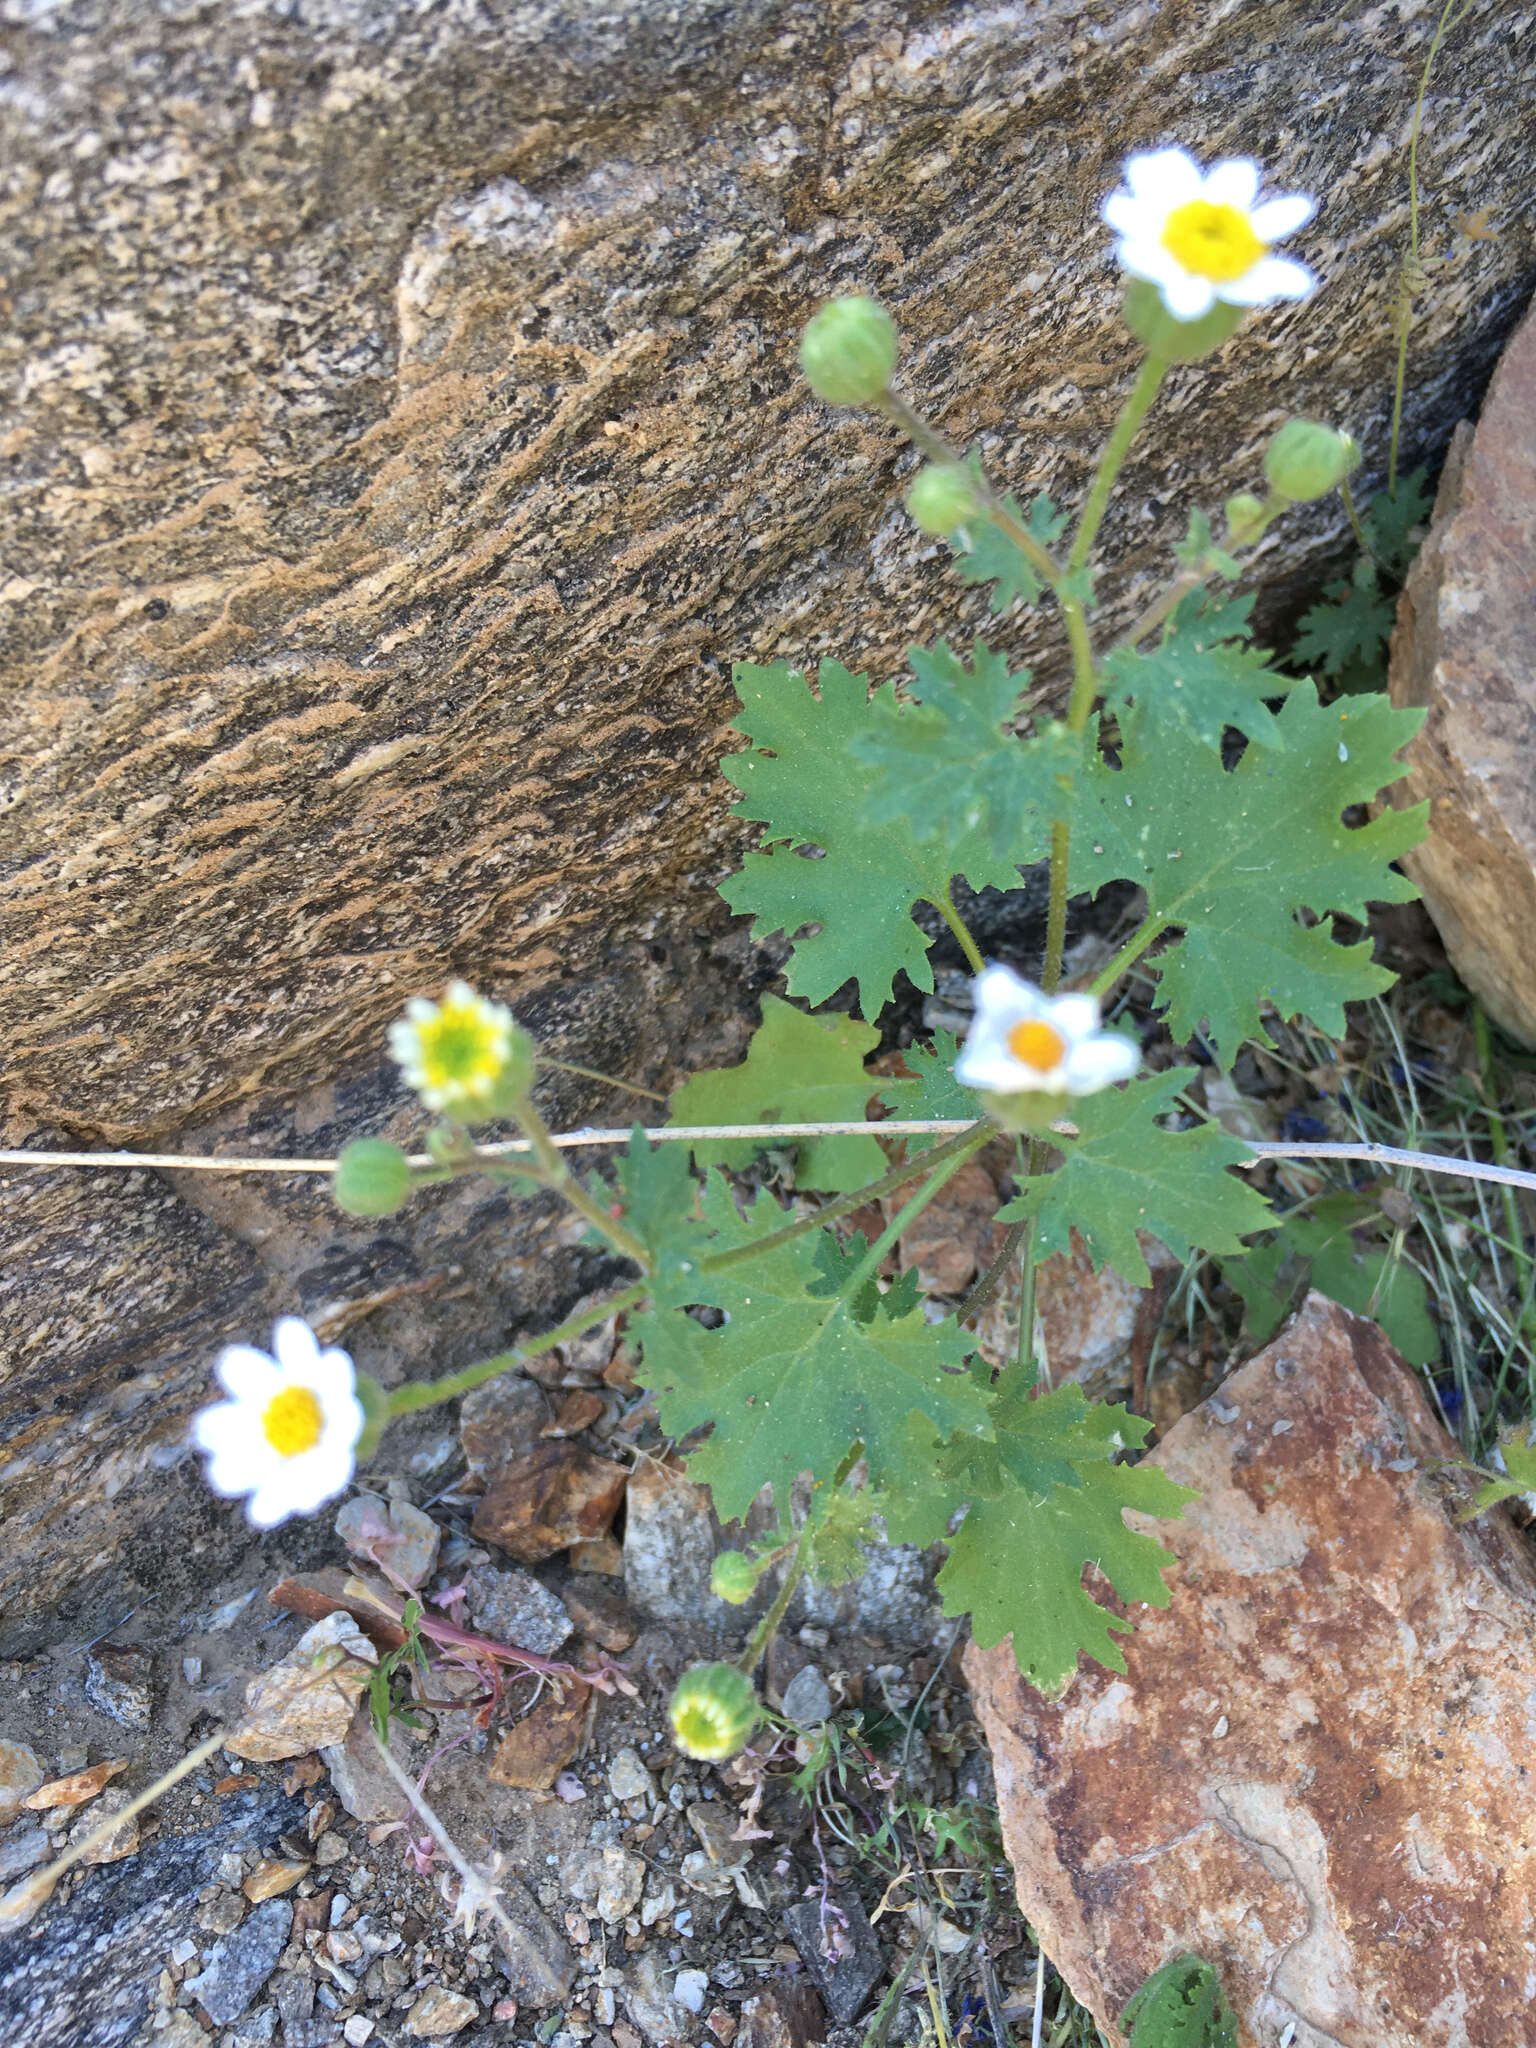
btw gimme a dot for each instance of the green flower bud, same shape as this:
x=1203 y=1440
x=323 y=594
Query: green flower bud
x=733 y=1577
x=848 y=352
x=713 y=1712
x=1172 y=340
x=1246 y=518
x=373 y=1178
x=941 y=497
x=1308 y=460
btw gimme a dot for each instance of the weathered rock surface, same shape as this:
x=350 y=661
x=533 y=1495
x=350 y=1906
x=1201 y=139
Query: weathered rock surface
x=1315 y=1771
x=307 y=1699
x=402 y=437
x=90 y=1982
x=1465 y=648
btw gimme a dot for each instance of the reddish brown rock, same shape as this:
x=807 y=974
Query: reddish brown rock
x=534 y=1752
x=554 y=1496
x=1316 y=1771
x=955 y=1238
x=1465 y=647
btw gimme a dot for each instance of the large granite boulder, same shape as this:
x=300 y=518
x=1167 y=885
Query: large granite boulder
x=403 y=436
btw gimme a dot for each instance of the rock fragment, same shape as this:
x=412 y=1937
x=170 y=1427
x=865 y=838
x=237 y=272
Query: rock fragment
x=119 y=1681
x=807 y=1698
x=536 y=1749
x=362 y=1784
x=392 y=1533
x=274 y=1875
x=628 y=1777
x=242 y=1962
x=21 y=1772
x=121 y=1841
x=513 y=1607
x=306 y=1700
x=439 y=2013
x=609 y=1879
x=1464 y=649
x=845 y=1977
x=499 y=1424
x=669 y=1546
x=649 y=2002
x=787 y=2014
x=1318 y=1745
x=74 y=1789
x=556 y=1495
x=601 y=1613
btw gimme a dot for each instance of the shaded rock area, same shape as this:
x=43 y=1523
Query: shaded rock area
x=402 y=438
x=1465 y=649
x=89 y=1984
x=1314 y=1771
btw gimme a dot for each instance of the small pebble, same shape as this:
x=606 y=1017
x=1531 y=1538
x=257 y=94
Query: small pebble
x=274 y=1874
x=192 y=1670
x=628 y=1777
x=439 y=2013
x=356 y=2030
x=331 y=1848
x=689 y=1988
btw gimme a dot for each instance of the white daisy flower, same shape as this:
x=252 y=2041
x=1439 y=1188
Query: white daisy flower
x=1200 y=237
x=454 y=1052
x=1024 y=1041
x=287 y=1434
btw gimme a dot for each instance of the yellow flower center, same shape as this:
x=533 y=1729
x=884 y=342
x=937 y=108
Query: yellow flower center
x=1037 y=1045
x=462 y=1048
x=292 y=1422
x=1214 y=242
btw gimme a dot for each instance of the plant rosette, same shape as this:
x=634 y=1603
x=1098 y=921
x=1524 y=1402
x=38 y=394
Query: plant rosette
x=1029 y=1055
x=287 y=1436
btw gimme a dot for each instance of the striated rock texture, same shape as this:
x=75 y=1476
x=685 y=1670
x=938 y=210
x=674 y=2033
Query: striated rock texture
x=402 y=436
x=1465 y=647
x=1315 y=1771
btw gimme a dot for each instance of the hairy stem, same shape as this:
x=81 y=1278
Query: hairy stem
x=869 y=1265
x=558 y=1176
x=418 y=1394
x=944 y=904
x=1143 y=937
x=964 y=1141
x=933 y=444
x=1132 y=413
x=766 y=1629
x=994 y=1276
x=1079 y=707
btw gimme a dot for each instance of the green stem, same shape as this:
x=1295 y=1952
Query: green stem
x=944 y=904
x=1362 y=538
x=1028 y=1365
x=994 y=1276
x=937 y=449
x=963 y=1141
x=1128 y=955
x=763 y=1634
x=427 y=1393
x=558 y=1176
x=608 y=1080
x=869 y=1265
x=1079 y=707
x=1132 y=413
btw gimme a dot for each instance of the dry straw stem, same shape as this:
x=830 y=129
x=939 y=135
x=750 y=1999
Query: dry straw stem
x=689 y=1134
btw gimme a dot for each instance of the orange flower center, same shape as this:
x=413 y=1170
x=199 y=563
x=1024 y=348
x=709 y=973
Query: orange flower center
x=1037 y=1045
x=292 y=1422
x=1214 y=242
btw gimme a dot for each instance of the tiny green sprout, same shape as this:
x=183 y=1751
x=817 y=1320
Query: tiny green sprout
x=941 y=498
x=1246 y=518
x=733 y=1577
x=848 y=352
x=373 y=1178
x=713 y=1711
x=1307 y=460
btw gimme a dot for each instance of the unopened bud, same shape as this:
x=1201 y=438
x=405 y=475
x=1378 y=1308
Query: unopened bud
x=1308 y=460
x=713 y=1712
x=848 y=352
x=733 y=1577
x=373 y=1178
x=941 y=497
x=1246 y=518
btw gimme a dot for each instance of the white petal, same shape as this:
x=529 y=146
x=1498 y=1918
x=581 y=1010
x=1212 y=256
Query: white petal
x=332 y=1379
x=1232 y=182
x=997 y=986
x=271 y=1504
x=460 y=994
x=1277 y=218
x=245 y=1372
x=1075 y=1016
x=1188 y=297
x=296 y=1347
x=1167 y=176
x=226 y=1426
x=1099 y=1061
x=1273 y=277
x=1131 y=216
x=1149 y=259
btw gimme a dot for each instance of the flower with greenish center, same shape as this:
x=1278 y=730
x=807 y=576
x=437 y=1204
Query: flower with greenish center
x=1022 y=1041
x=287 y=1434
x=1201 y=237
x=453 y=1053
